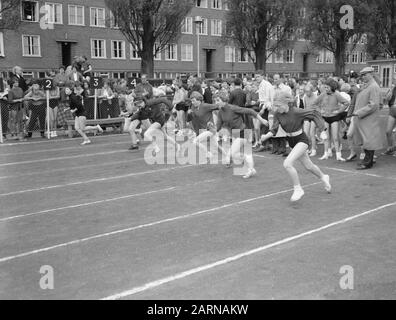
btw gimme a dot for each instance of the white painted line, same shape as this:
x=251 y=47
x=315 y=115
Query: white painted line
x=102 y=164
x=83 y=204
x=133 y=174
x=77 y=147
x=53 y=141
x=147 y=225
x=359 y=173
x=85 y=155
x=86 y=204
x=181 y=275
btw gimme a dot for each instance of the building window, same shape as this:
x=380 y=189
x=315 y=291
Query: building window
x=320 y=57
x=117 y=49
x=30 y=11
x=355 y=57
x=55 y=13
x=300 y=34
x=362 y=57
x=202 y=3
x=229 y=54
x=171 y=52
x=301 y=13
x=203 y=27
x=155 y=49
x=289 y=56
x=216 y=4
x=269 y=57
x=119 y=75
x=31 y=46
x=243 y=55
x=329 y=57
x=347 y=57
x=187 y=25
x=187 y=52
x=76 y=15
x=134 y=52
x=279 y=56
x=98 y=48
x=1 y=45
x=98 y=18
x=113 y=21
x=216 y=27
x=376 y=69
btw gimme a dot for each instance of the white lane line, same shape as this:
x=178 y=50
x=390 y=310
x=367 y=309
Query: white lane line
x=147 y=225
x=84 y=204
x=78 y=147
x=181 y=275
x=87 y=204
x=343 y=170
x=359 y=173
x=64 y=158
x=133 y=174
x=59 y=140
x=102 y=164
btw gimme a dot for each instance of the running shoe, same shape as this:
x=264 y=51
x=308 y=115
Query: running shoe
x=86 y=142
x=133 y=147
x=250 y=173
x=389 y=152
x=297 y=194
x=326 y=183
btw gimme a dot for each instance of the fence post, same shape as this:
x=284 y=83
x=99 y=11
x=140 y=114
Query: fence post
x=96 y=104
x=48 y=115
x=1 y=125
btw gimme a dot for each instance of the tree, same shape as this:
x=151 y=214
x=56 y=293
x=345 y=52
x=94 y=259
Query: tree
x=382 y=28
x=261 y=27
x=150 y=25
x=324 y=31
x=10 y=14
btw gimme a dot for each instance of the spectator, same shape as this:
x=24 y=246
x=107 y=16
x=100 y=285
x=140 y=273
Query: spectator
x=86 y=69
x=18 y=75
x=61 y=77
x=367 y=119
x=106 y=102
x=38 y=109
x=64 y=112
x=144 y=88
x=17 y=111
x=75 y=75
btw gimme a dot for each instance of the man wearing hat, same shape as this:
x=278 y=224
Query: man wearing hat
x=367 y=119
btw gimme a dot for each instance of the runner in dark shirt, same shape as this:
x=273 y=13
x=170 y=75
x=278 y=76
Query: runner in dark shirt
x=292 y=121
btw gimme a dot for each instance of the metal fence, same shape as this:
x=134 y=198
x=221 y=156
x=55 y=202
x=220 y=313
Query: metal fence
x=37 y=118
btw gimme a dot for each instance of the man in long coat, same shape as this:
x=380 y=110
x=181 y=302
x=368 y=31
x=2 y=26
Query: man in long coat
x=368 y=131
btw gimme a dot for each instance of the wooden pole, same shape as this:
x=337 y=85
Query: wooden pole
x=1 y=127
x=96 y=105
x=48 y=115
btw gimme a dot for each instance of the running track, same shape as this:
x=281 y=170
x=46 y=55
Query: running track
x=113 y=227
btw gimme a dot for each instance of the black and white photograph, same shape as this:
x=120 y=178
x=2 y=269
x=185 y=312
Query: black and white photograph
x=220 y=152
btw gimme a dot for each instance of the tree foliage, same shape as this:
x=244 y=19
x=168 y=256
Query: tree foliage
x=260 y=26
x=145 y=23
x=10 y=14
x=381 y=28
x=322 y=27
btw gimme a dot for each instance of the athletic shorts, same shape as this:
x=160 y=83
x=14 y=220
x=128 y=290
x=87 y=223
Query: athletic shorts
x=141 y=115
x=336 y=118
x=293 y=141
x=182 y=106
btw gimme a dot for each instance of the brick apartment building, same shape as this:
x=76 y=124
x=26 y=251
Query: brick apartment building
x=85 y=27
